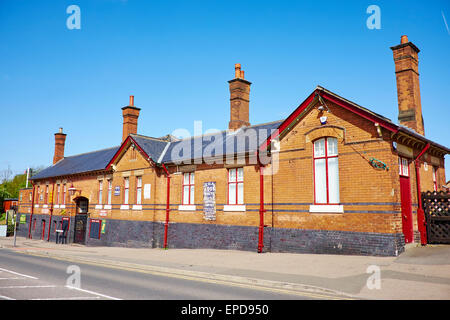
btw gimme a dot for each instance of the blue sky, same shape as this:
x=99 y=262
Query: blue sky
x=176 y=57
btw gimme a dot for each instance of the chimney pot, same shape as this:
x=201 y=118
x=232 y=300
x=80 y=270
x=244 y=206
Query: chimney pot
x=130 y=119
x=237 y=70
x=404 y=39
x=60 y=141
x=239 y=100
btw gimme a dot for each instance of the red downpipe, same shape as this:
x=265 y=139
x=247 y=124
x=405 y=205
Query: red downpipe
x=166 y=225
x=261 y=209
x=51 y=212
x=420 y=213
x=32 y=209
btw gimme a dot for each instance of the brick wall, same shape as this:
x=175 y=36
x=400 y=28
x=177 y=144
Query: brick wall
x=370 y=223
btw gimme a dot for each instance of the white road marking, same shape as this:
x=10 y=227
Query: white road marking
x=94 y=293
x=6 y=298
x=68 y=298
x=12 y=278
x=26 y=287
x=19 y=274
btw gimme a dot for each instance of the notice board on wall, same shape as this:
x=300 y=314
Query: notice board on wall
x=209 y=200
x=95 y=229
x=147 y=191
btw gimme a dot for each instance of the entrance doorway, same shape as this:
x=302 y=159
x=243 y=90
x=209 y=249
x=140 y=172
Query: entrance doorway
x=82 y=205
x=405 y=196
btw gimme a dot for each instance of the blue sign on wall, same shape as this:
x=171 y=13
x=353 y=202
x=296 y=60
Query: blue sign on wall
x=117 y=191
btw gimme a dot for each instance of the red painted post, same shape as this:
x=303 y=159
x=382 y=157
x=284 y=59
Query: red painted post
x=166 y=225
x=420 y=213
x=32 y=209
x=51 y=212
x=261 y=209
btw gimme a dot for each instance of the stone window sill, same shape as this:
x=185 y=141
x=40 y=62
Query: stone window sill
x=234 y=207
x=186 y=207
x=326 y=208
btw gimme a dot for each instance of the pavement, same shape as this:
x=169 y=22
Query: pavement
x=420 y=273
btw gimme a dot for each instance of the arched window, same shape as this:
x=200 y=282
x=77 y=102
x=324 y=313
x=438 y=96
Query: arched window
x=326 y=171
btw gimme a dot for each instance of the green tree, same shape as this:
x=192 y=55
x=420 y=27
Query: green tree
x=9 y=188
x=3 y=195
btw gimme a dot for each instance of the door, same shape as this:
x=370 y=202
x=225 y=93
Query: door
x=407 y=221
x=43 y=230
x=82 y=205
x=405 y=196
x=80 y=228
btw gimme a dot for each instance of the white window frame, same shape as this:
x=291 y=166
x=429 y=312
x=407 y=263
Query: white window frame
x=403 y=166
x=326 y=156
x=235 y=179
x=126 y=190
x=109 y=200
x=435 y=185
x=139 y=190
x=189 y=183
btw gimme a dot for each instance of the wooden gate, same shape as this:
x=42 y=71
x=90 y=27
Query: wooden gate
x=436 y=206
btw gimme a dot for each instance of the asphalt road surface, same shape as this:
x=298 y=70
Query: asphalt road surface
x=24 y=277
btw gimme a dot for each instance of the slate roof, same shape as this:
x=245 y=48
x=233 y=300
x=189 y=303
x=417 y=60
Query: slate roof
x=169 y=149
x=153 y=147
x=244 y=140
x=85 y=162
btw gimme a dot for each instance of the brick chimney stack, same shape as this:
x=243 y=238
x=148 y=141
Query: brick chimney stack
x=60 y=141
x=239 y=99
x=408 y=91
x=130 y=119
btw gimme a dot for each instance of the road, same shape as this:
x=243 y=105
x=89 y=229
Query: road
x=24 y=277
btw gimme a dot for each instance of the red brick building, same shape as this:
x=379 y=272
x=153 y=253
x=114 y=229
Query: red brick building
x=333 y=177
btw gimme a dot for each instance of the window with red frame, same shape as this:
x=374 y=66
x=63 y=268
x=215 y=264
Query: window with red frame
x=37 y=194
x=109 y=191
x=100 y=192
x=46 y=195
x=138 y=190
x=126 y=190
x=403 y=166
x=326 y=171
x=435 y=185
x=64 y=194
x=58 y=191
x=188 y=187
x=236 y=186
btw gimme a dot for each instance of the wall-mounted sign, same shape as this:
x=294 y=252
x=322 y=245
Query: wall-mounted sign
x=117 y=191
x=103 y=228
x=147 y=189
x=209 y=200
x=23 y=219
x=95 y=226
x=103 y=213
